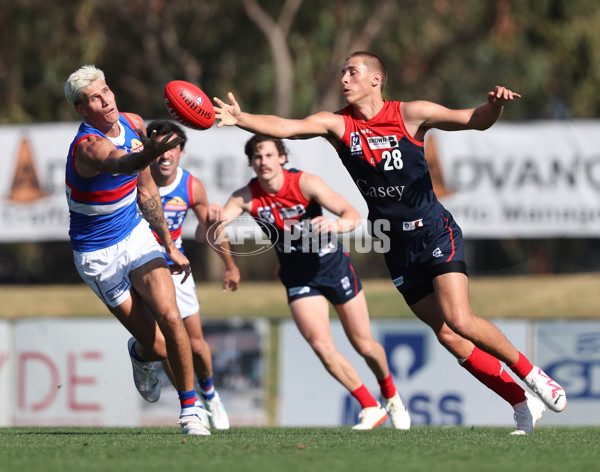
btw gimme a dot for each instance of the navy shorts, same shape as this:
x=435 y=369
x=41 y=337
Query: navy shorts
x=435 y=249
x=332 y=276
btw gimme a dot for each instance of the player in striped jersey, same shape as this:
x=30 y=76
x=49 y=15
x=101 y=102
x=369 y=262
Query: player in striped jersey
x=115 y=252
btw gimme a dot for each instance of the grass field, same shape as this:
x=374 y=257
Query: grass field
x=298 y=449
x=267 y=449
x=533 y=297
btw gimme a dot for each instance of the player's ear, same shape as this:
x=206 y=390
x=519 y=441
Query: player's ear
x=376 y=79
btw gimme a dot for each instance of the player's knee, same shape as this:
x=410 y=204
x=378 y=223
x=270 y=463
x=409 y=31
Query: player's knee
x=449 y=339
x=170 y=322
x=460 y=324
x=365 y=347
x=323 y=349
x=198 y=345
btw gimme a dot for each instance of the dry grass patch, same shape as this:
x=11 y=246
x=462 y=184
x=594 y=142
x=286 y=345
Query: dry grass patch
x=551 y=296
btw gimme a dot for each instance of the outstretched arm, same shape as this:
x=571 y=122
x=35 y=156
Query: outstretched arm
x=325 y=124
x=420 y=116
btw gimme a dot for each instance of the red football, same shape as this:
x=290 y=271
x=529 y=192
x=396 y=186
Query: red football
x=189 y=105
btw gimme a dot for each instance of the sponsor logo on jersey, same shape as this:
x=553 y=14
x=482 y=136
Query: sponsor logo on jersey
x=391 y=191
x=437 y=252
x=136 y=145
x=286 y=213
x=355 y=144
x=292 y=212
x=175 y=204
x=382 y=142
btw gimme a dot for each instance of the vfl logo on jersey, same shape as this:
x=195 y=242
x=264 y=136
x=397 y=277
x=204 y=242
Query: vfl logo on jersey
x=382 y=142
x=289 y=213
x=437 y=252
x=176 y=204
x=266 y=214
x=355 y=144
x=136 y=145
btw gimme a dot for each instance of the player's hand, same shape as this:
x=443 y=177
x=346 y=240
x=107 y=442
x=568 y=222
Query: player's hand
x=321 y=224
x=180 y=265
x=215 y=213
x=153 y=147
x=231 y=279
x=227 y=114
x=500 y=96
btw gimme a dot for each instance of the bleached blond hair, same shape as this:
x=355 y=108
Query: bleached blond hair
x=79 y=80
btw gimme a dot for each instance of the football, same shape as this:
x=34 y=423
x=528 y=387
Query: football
x=189 y=105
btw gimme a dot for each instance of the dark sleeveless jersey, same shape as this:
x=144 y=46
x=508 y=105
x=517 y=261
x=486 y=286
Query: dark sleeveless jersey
x=389 y=168
x=289 y=212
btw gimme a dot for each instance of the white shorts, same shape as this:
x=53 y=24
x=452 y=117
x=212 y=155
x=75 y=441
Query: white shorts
x=107 y=270
x=187 y=299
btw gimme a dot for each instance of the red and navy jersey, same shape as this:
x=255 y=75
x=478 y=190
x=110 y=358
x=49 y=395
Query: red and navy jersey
x=102 y=208
x=389 y=168
x=177 y=198
x=290 y=212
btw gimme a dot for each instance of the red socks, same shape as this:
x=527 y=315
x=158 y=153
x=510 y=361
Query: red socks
x=488 y=370
x=364 y=397
x=388 y=389
x=522 y=367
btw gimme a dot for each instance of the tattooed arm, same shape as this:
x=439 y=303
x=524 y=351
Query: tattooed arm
x=151 y=207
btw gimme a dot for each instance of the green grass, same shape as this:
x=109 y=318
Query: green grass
x=299 y=449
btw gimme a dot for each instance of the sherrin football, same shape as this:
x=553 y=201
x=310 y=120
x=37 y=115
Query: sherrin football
x=189 y=105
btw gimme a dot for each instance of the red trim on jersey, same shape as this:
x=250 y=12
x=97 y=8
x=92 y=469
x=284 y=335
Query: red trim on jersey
x=131 y=123
x=451 y=239
x=176 y=233
x=353 y=273
x=103 y=196
x=189 y=190
x=73 y=156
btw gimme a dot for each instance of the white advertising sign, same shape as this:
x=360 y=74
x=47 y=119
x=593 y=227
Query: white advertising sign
x=77 y=373
x=535 y=179
x=435 y=389
x=570 y=353
x=73 y=373
x=6 y=377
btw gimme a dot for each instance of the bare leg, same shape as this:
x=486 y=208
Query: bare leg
x=311 y=315
x=154 y=284
x=202 y=356
x=354 y=316
x=452 y=293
